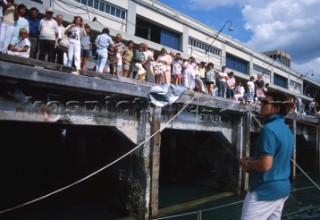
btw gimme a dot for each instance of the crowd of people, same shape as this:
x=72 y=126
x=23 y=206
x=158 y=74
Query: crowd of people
x=47 y=39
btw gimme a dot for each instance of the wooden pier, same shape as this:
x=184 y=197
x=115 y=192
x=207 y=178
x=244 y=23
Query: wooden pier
x=64 y=127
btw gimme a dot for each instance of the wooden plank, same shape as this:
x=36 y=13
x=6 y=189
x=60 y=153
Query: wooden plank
x=155 y=161
x=62 y=79
x=182 y=207
x=34 y=63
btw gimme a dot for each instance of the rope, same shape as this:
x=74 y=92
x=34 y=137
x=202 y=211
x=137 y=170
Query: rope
x=302 y=122
x=101 y=169
x=218 y=207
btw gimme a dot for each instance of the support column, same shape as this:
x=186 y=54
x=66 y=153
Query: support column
x=185 y=39
x=239 y=153
x=131 y=18
x=155 y=161
x=294 y=156
x=246 y=149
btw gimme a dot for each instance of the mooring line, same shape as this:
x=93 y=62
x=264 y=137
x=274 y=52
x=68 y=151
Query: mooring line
x=103 y=168
x=302 y=122
x=219 y=207
x=199 y=212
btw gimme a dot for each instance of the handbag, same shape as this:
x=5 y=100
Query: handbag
x=63 y=44
x=158 y=68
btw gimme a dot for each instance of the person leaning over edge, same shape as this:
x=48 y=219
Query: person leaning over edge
x=269 y=184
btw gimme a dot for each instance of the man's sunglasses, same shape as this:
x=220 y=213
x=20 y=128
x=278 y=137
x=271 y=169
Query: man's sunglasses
x=265 y=102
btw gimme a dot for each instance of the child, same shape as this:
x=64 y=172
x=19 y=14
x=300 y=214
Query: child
x=22 y=48
x=250 y=90
x=177 y=69
x=85 y=48
x=115 y=61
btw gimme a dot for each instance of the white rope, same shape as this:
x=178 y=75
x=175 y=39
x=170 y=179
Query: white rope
x=199 y=212
x=219 y=207
x=101 y=169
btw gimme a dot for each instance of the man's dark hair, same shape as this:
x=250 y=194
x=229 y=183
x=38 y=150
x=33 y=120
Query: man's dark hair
x=105 y=31
x=282 y=101
x=210 y=64
x=34 y=9
x=21 y=6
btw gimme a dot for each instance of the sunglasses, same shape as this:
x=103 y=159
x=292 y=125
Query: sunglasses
x=265 y=102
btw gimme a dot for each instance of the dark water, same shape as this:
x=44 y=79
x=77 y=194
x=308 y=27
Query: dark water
x=303 y=203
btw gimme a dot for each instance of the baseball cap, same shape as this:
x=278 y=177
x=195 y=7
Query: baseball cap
x=49 y=9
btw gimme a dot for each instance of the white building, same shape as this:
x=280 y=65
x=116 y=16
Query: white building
x=151 y=22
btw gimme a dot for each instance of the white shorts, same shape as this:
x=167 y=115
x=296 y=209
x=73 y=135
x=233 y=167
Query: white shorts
x=253 y=209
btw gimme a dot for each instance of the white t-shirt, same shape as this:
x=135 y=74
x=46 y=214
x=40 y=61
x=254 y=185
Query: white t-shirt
x=20 y=45
x=177 y=67
x=223 y=74
x=250 y=86
x=20 y=23
x=119 y=59
x=61 y=31
x=75 y=34
x=48 y=29
x=148 y=55
x=239 y=90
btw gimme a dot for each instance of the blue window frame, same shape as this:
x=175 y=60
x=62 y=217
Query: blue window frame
x=280 y=81
x=170 y=39
x=204 y=46
x=262 y=70
x=237 y=64
x=104 y=7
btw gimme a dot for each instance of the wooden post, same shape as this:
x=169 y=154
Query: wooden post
x=239 y=154
x=246 y=149
x=155 y=161
x=294 y=156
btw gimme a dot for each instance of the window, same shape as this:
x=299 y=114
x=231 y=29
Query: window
x=38 y=1
x=295 y=85
x=104 y=7
x=237 y=64
x=113 y=11
x=90 y=3
x=170 y=39
x=101 y=7
x=204 y=46
x=96 y=4
x=156 y=33
x=280 y=81
x=108 y=9
x=262 y=70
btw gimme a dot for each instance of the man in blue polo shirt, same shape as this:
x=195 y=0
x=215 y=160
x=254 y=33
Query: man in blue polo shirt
x=34 y=22
x=269 y=184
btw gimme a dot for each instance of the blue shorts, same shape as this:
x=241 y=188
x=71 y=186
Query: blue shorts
x=85 y=53
x=118 y=67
